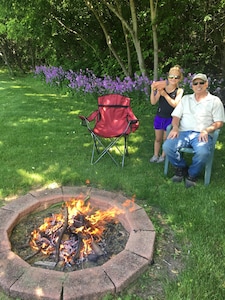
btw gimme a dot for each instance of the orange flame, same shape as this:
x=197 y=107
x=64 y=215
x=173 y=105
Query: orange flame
x=130 y=203
x=85 y=226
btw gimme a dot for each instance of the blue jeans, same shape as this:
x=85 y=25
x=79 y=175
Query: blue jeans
x=188 y=139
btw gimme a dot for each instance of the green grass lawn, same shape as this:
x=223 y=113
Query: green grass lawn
x=42 y=142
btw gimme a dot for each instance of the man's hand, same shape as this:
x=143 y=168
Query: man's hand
x=203 y=136
x=173 y=133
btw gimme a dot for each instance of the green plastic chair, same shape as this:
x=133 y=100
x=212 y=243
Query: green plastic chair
x=208 y=165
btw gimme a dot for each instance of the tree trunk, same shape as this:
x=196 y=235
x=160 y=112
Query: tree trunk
x=107 y=37
x=153 y=9
x=136 y=40
x=133 y=32
x=129 y=65
x=4 y=52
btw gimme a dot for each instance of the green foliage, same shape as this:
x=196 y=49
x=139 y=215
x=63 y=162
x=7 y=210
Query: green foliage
x=67 y=34
x=2 y=29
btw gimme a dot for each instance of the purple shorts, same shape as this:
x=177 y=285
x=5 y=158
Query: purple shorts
x=161 y=123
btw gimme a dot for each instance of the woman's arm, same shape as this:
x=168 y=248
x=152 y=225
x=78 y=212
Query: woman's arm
x=154 y=97
x=173 y=102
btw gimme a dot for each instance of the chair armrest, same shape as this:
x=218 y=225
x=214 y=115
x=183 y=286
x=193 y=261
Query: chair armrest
x=92 y=117
x=133 y=121
x=133 y=124
x=216 y=135
x=84 y=120
x=168 y=129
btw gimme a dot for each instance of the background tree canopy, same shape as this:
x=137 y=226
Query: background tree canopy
x=114 y=37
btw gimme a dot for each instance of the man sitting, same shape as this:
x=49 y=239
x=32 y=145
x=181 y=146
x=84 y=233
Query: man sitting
x=194 y=119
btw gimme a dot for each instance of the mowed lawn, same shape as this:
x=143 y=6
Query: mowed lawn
x=43 y=143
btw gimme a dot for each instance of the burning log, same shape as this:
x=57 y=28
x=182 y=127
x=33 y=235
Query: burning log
x=80 y=246
x=97 y=250
x=46 y=264
x=61 y=235
x=32 y=255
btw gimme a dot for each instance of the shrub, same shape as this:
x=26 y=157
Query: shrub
x=87 y=82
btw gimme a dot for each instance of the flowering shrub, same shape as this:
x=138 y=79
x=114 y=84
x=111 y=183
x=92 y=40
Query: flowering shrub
x=52 y=75
x=87 y=82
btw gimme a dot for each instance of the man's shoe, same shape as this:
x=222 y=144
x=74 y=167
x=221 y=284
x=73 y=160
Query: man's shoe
x=180 y=173
x=176 y=178
x=190 y=181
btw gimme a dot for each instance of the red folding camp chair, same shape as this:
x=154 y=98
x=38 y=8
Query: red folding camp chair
x=114 y=119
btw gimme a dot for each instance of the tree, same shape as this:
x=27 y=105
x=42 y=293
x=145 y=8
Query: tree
x=153 y=10
x=114 y=37
x=97 y=13
x=132 y=29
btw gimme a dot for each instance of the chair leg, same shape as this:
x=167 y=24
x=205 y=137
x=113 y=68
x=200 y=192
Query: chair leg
x=166 y=165
x=93 y=153
x=208 y=170
x=125 y=150
x=97 y=142
x=125 y=145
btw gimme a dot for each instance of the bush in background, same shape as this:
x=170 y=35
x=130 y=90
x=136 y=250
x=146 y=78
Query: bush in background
x=87 y=82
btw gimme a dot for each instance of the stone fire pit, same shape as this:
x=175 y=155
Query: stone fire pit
x=20 y=280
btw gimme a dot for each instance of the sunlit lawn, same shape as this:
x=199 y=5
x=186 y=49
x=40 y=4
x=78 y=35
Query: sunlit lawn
x=42 y=142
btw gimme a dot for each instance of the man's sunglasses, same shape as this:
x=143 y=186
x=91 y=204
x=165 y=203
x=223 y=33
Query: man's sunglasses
x=199 y=82
x=173 y=77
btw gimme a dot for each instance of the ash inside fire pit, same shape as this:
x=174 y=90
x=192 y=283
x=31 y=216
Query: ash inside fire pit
x=73 y=236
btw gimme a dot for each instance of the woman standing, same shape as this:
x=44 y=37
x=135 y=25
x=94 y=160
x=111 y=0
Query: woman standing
x=167 y=95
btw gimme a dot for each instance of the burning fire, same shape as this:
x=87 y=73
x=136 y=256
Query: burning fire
x=74 y=235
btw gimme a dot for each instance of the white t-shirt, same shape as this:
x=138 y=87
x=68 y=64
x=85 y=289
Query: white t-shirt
x=197 y=116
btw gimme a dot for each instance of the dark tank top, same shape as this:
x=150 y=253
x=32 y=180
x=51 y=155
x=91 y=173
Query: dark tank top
x=164 y=109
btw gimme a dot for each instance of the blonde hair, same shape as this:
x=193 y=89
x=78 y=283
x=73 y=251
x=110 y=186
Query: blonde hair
x=179 y=69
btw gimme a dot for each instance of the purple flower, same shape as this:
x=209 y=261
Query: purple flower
x=87 y=82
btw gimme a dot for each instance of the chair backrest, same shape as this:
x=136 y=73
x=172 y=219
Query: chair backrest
x=114 y=116
x=113 y=100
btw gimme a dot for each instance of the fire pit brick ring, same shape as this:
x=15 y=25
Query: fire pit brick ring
x=20 y=280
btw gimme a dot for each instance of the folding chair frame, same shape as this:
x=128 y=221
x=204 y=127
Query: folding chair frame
x=107 y=148
x=208 y=165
